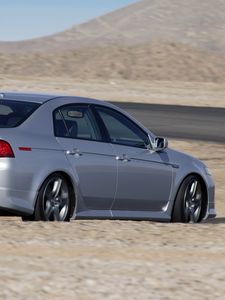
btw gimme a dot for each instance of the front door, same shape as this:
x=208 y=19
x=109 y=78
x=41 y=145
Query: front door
x=144 y=177
x=144 y=180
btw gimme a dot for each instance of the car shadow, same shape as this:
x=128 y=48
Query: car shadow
x=214 y=221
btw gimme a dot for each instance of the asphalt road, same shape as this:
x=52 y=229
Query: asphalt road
x=198 y=123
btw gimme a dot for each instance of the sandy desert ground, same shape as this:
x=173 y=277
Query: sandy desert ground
x=115 y=259
x=111 y=260
x=158 y=92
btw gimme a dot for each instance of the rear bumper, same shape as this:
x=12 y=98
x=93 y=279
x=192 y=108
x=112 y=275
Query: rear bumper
x=17 y=202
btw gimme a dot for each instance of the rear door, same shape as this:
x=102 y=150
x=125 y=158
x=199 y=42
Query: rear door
x=93 y=161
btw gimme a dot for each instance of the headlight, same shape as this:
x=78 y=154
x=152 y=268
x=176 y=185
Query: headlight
x=207 y=171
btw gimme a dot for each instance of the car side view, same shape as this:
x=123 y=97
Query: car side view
x=64 y=158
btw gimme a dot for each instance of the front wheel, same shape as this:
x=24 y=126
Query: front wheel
x=190 y=200
x=54 y=200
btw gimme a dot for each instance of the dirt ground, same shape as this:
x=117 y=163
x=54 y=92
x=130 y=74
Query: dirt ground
x=158 y=92
x=119 y=259
x=111 y=260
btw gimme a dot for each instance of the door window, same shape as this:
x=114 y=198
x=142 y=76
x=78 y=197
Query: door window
x=121 y=129
x=75 y=121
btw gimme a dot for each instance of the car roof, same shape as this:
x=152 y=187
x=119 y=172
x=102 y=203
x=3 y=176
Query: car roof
x=29 y=97
x=42 y=98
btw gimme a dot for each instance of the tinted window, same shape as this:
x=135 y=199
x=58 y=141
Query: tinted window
x=122 y=130
x=75 y=121
x=14 y=113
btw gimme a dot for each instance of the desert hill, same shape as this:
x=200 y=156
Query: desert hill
x=154 y=61
x=151 y=39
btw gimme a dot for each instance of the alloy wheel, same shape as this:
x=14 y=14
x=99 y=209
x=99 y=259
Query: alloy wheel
x=193 y=201
x=56 y=199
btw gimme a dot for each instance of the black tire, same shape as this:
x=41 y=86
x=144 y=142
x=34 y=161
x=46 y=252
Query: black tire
x=189 y=202
x=54 y=201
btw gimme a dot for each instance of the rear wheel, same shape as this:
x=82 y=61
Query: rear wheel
x=190 y=201
x=54 y=200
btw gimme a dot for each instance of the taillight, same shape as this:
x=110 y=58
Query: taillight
x=5 y=149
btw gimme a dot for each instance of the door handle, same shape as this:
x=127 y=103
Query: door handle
x=76 y=152
x=124 y=158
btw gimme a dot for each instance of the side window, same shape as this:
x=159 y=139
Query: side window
x=121 y=130
x=75 y=121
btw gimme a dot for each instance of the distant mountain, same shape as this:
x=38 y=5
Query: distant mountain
x=196 y=23
x=151 y=39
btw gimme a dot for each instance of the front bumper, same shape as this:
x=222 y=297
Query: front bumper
x=211 y=211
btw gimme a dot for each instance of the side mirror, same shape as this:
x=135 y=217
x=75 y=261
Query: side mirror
x=160 y=143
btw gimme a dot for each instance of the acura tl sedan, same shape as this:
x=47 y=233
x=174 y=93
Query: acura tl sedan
x=65 y=158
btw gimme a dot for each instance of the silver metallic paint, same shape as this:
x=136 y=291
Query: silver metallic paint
x=144 y=187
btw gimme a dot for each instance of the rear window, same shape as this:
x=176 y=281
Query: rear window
x=14 y=113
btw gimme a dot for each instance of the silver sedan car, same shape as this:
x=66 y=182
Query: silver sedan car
x=64 y=158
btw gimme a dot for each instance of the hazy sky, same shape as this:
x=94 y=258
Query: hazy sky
x=25 y=19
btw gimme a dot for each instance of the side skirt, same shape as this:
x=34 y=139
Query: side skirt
x=123 y=215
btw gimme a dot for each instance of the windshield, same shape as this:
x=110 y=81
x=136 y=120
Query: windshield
x=14 y=113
